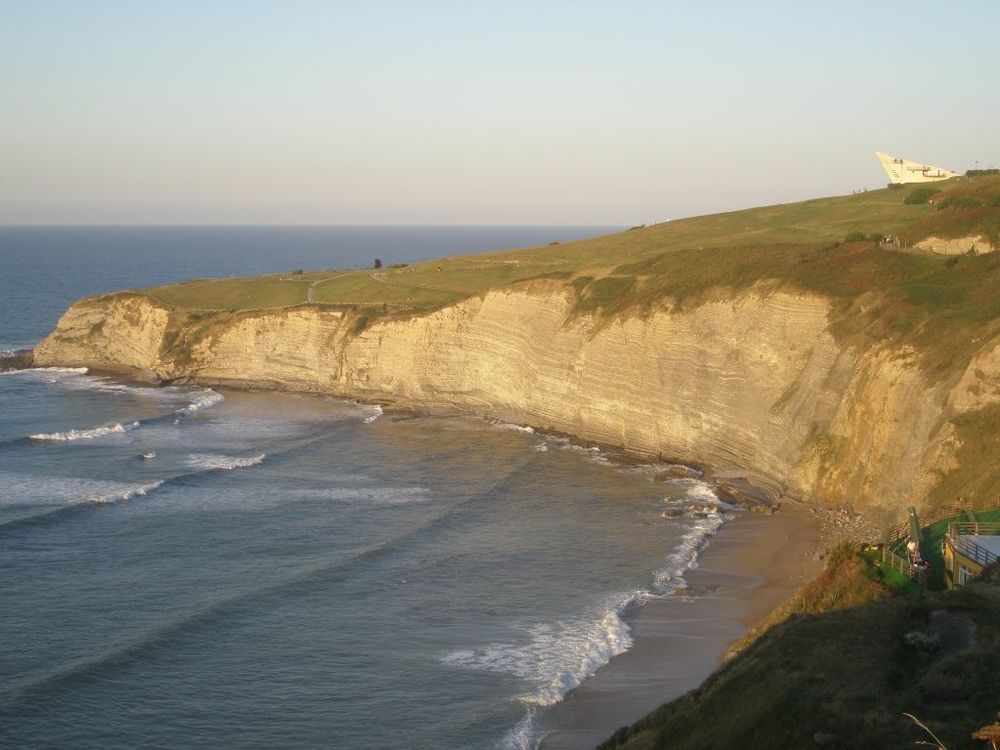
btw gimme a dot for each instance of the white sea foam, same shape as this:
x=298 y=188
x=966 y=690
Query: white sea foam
x=556 y=657
x=17 y=489
x=375 y=412
x=202 y=400
x=47 y=371
x=524 y=735
x=211 y=461
x=95 y=432
x=702 y=500
x=514 y=427
x=124 y=494
x=593 y=454
x=540 y=447
x=372 y=495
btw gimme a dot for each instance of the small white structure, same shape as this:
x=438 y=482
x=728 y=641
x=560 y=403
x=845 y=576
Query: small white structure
x=904 y=171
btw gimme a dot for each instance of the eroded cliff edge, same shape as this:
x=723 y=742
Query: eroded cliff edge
x=755 y=382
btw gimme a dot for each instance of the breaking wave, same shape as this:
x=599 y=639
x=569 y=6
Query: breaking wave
x=376 y=412
x=514 y=427
x=557 y=657
x=96 y=432
x=69 y=495
x=125 y=494
x=704 y=517
x=373 y=495
x=203 y=400
x=47 y=370
x=212 y=461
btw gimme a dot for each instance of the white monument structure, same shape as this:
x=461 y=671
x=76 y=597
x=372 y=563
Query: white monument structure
x=904 y=171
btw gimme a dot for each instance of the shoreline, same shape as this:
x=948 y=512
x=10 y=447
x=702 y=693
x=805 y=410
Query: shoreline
x=750 y=566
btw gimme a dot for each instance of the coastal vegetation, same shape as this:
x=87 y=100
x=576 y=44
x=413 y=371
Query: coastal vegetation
x=839 y=666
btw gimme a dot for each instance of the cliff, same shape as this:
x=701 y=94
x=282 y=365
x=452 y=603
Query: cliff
x=753 y=381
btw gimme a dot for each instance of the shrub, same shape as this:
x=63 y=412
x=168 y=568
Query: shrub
x=297 y=272
x=378 y=263
x=920 y=195
x=854 y=236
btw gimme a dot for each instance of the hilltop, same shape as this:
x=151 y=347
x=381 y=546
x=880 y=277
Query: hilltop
x=832 y=246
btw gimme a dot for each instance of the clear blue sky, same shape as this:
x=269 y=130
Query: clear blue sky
x=477 y=112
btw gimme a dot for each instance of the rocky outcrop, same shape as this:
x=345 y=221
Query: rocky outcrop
x=975 y=244
x=754 y=384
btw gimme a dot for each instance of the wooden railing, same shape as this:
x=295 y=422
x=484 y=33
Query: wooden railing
x=959 y=507
x=899 y=563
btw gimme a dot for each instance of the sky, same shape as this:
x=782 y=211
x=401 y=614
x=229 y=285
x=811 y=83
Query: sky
x=393 y=112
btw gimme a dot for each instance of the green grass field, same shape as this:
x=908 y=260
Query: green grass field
x=787 y=228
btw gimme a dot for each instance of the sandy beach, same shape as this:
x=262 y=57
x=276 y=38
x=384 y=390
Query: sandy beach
x=749 y=567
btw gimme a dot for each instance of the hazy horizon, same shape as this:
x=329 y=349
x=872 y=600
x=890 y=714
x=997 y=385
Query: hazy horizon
x=440 y=114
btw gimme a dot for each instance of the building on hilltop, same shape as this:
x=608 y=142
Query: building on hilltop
x=904 y=171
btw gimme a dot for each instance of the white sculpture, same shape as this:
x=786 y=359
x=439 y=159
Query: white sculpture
x=904 y=171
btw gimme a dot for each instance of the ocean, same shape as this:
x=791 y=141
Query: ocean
x=297 y=571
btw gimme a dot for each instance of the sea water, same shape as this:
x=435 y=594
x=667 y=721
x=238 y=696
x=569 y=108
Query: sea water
x=294 y=571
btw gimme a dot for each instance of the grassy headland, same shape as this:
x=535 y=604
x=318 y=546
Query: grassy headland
x=831 y=246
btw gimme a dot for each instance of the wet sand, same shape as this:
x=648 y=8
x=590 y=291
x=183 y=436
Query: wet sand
x=749 y=567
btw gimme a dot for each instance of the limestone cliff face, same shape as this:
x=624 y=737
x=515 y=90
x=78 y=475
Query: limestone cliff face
x=126 y=334
x=755 y=383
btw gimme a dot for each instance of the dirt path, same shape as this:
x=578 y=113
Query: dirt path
x=311 y=289
x=379 y=276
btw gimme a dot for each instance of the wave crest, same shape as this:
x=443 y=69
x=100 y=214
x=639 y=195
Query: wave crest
x=707 y=507
x=212 y=461
x=559 y=656
x=96 y=432
x=47 y=370
x=202 y=401
x=125 y=494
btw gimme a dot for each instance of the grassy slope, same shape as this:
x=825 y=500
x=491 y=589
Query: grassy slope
x=839 y=666
x=936 y=304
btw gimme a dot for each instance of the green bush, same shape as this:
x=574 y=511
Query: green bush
x=920 y=195
x=854 y=236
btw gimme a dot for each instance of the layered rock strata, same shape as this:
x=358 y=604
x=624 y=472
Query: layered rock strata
x=754 y=384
